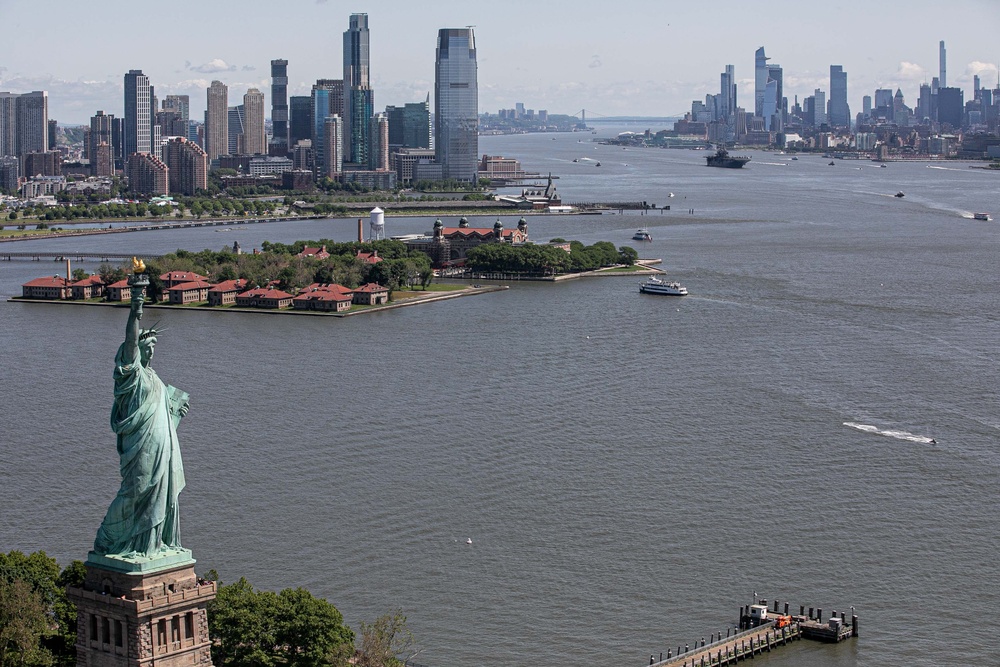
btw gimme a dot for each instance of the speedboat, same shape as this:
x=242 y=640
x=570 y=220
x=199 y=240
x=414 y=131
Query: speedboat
x=656 y=286
x=642 y=235
x=881 y=166
x=981 y=216
x=899 y=195
x=598 y=164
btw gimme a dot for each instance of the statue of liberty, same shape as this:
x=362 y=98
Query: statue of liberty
x=143 y=521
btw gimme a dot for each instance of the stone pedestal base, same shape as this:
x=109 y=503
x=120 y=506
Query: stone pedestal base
x=133 y=619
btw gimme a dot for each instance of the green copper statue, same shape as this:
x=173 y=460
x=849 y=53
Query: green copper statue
x=143 y=518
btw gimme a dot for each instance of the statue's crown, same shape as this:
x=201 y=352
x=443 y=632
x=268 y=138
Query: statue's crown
x=150 y=332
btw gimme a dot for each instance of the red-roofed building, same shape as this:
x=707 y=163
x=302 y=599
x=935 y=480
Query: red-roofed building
x=224 y=294
x=371 y=294
x=314 y=253
x=88 y=288
x=264 y=298
x=172 y=278
x=369 y=257
x=324 y=297
x=449 y=245
x=189 y=292
x=46 y=288
x=119 y=291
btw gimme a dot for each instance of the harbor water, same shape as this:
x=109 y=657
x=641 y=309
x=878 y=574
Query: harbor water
x=816 y=422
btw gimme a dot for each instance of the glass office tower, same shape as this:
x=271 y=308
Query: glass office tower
x=456 y=102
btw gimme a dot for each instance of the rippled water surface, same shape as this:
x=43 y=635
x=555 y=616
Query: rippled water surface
x=630 y=468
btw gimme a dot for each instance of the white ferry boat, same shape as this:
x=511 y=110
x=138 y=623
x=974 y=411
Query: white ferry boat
x=981 y=216
x=656 y=286
x=642 y=235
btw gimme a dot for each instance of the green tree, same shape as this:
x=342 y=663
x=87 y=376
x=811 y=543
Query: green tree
x=23 y=625
x=12 y=215
x=627 y=255
x=384 y=641
x=309 y=628
x=79 y=274
x=241 y=626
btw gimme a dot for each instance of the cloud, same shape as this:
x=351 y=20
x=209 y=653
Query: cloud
x=212 y=66
x=979 y=68
x=248 y=68
x=595 y=62
x=911 y=72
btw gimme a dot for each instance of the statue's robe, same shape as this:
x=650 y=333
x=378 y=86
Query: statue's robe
x=143 y=517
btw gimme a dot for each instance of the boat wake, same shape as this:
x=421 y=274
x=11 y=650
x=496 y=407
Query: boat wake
x=899 y=435
x=774 y=164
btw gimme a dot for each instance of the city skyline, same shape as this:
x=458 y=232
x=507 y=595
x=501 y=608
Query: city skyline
x=656 y=64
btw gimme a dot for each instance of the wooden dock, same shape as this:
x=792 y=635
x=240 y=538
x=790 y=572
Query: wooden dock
x=759 y=630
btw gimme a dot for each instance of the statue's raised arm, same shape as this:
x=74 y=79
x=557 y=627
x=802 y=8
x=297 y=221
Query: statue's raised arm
x=142 y=521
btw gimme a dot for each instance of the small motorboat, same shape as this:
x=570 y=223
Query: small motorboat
x=981 y=216
x=882 y=166
x=831 y=163
x=899 y=195
x=576 y=160
x=598 y=164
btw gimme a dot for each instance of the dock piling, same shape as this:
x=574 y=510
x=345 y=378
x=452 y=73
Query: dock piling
x=819 y=615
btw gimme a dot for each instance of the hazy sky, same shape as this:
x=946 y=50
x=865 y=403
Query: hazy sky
x=617 y=57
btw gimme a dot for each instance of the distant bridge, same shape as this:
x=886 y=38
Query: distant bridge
x=61 y=255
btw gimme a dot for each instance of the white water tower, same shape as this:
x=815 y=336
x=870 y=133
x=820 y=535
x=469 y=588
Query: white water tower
x=377 y=225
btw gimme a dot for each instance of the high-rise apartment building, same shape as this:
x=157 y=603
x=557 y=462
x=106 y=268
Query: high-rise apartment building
x=147 y=174
x=357 y=63
x=24 y=123
x=327 y=100
x=101 y=161
x=333 y=149
x=378 y=142
x=279 y=108
x=138 y=134
x=840 y=111
x=942 y=56
x=217 y=121
x=254 y=138
x=8 y=124
x=188 y=166
x=456 y=104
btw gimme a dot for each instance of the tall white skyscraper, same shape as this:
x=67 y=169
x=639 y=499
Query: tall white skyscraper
x=138 y=136
x=456 y=103
x=760 y=81
x=254 y=138
x=217 y=121
x=942 y=78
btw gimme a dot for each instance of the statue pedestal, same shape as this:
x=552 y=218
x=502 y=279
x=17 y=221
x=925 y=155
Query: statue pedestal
x=135 y=618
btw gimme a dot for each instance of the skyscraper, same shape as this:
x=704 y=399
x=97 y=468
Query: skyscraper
x=410 y=125
x=760 y=81
x=359 y=139
x=31 y=120
x=327 y=100
x=356 y=77
x=8 y=130
x=819 y=100
x=840 y=111
x=378 y=136
x=254 y=138
x=279 y=108
x=138 y=137
x=333 y=149
x=942 y=77
x=951 y=106
x=101 y=162
x=236 y=120
x=456 y=104
x=299 y=119
x=727 y=93
x=217 y=120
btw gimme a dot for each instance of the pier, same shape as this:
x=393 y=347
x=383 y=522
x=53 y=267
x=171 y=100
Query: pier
x=759 y=630
x=62 y=255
